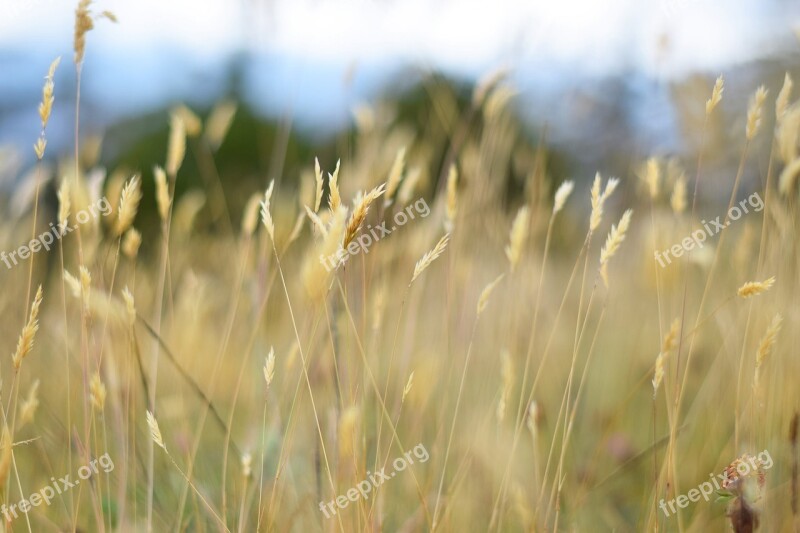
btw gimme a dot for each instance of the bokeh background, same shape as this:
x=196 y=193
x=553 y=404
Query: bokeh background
x=588 y=86
x=610 y=82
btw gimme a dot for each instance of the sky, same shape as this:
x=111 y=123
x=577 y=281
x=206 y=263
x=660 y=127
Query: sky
x=300 y=51
x=463 y=35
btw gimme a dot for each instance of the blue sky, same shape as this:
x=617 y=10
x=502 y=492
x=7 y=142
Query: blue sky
x=464 y=35
x=316 y=59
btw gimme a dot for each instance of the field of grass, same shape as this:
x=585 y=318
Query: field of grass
x=428 y=330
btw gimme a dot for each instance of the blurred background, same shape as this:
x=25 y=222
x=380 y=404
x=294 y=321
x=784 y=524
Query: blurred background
x=614 y=80
x=589 y=86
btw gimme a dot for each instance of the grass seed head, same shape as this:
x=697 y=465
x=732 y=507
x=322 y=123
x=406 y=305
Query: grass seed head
x=498 y=101
x=27 y=409
x=532 y=416
x=768 y=340
x=86 y=283
x=266 y=216
x=39 y=147
x=247 y=465
x=28 y=335
x=64 y=204
x=155 y=432
x=430 y=257
x=219 y=122
x=130 y=306
x=318 y=183
x=176 y=149
x=191 y=122
x=507 y=375
x=269 y=366
x=409 y=185
x=395 y=175
x=334 y=198
x=652 y=176
x=6 y=456
x=518 y=236
x=83 y=24
x=486 y=84
x=754 y=113
x=486 y=293
x=360 y=209
x=658 y=373
x=615 y=237
x=97 y=392
x=407 y=388
x=128 y=204
x=131 y=242
x=716 y=95
x=250 y=216
x=678 y=198
x=317 y=223
x=754 y=288
x=598 y=199
x=73 y=283
x=671 y=337
x=162 y=193
x=562 y=194
x=46 y=106
x=613 y=242
x=315 y=275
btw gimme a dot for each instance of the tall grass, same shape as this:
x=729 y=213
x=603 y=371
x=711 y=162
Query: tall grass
x=558 y=376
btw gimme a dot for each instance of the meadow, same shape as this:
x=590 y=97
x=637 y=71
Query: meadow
x=515 y=357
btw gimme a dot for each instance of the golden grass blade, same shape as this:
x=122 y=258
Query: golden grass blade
x=430 y=257
x=155 y=432
x=754 y=288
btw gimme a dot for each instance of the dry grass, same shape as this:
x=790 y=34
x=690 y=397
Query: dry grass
x=236 y=383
